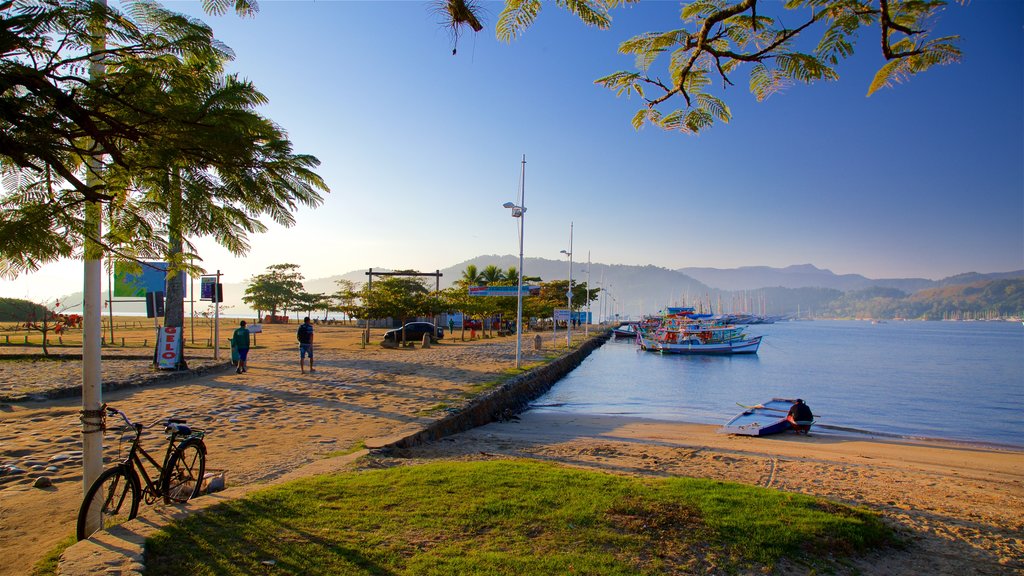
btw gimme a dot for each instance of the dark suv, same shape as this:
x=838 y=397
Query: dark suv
x=414 y=332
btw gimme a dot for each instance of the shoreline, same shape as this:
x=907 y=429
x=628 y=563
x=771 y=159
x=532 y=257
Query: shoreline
x=274 y=424
x=959 y=509
x=830 y=431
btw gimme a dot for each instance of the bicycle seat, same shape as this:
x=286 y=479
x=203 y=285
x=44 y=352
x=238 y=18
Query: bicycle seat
x=179 y=429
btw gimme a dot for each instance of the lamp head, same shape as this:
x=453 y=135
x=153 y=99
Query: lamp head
x=508 y=205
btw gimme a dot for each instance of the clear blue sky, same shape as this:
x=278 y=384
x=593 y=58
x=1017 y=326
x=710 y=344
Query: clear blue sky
x=421 y=148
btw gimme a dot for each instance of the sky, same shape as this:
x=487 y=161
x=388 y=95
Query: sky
x=421 y=148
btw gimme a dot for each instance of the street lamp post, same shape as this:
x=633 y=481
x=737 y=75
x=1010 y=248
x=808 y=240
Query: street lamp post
x=586 y=327
x=518 y=211
x=568 y=293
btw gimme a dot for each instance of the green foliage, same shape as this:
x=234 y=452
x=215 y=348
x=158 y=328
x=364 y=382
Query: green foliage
x=17 y=310
x=186 y=152
x=396 y=297
x=277 y=288
x=719 y=37
x=517 y=517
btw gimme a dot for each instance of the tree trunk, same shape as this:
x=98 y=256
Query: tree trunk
x=174 y=301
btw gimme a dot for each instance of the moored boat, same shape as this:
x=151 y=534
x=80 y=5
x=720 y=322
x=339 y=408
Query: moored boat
x=625 y=331
x=761 y=419
x=683 y=331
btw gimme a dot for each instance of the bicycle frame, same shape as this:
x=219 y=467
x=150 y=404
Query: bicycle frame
x=133 y=461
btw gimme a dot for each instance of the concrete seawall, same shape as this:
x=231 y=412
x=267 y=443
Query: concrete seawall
x=503 y=402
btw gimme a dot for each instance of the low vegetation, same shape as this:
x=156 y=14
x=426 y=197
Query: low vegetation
x=511 y=517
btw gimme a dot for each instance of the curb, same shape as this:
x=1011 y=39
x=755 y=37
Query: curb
x=75 y=391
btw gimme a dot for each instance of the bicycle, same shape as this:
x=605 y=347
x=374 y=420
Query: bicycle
x=114 y=497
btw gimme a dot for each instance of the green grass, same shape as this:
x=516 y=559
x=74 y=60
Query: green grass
x=356 y=447
x=510 y=517
x=47 y=565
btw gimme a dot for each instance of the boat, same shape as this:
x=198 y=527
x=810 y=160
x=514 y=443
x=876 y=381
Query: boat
x=694 y=345
x=682 y=331
x=761 y=419
x=625 y=331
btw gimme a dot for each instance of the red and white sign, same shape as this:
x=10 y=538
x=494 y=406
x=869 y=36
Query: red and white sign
x=168 y=347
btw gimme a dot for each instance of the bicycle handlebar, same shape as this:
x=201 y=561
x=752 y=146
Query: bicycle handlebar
x=176 y=425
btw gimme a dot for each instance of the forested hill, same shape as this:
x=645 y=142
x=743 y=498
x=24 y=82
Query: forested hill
x=15 y=310
x=988 y=299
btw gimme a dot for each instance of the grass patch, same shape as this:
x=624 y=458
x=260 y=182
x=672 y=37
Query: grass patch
x=509 y=517
x=360 y=445
x=47 y=565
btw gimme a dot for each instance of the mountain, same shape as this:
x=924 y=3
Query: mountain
x=629 y=290
x=635 y=290
x=810 y=276
x=799 y=276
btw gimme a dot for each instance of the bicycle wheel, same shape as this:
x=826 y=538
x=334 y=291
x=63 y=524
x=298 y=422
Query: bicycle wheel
x=111 y=500
x=182 y=478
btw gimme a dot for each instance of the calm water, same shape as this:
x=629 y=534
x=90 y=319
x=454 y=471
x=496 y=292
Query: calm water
x=951 y=380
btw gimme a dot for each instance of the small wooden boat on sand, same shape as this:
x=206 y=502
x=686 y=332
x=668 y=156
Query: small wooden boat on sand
x=762 y=419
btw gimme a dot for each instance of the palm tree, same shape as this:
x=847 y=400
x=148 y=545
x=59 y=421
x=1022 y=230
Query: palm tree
x=470 y=276
x=219 y=173
x=511 y=275
x=492 y=274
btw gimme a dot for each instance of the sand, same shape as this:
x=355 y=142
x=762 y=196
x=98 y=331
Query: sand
x=960 y=507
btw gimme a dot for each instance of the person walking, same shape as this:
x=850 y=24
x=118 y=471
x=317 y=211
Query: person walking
x=305 y=336
x=240 y=340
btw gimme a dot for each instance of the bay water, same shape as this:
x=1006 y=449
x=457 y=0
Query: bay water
x=960 y=381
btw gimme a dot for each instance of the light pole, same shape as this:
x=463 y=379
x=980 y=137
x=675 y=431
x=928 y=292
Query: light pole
x=518 y=211
x=568 y=293
x=586 y=327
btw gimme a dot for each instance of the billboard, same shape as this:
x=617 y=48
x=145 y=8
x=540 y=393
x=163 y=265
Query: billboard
x=151 y=278
x=502 y=290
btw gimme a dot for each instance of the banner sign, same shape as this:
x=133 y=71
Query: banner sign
x=561 y=315
x=502 y=290
x=168 y=347
x=152 y=278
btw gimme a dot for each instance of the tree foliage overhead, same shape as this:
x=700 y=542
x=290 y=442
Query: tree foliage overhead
x=162 y=122
x=690 y=64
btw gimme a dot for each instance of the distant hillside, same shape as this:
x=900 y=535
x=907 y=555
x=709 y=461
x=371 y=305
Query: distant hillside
x=810 y=276
x=635 y=290
x=987 y=299
x=16 y=310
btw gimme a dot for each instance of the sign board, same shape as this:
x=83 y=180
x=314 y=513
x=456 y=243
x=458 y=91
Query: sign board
x=561 y=315
x=168 y=347
x=207 y=285
x=152 y=278
x=502 y=290
x=255 y=328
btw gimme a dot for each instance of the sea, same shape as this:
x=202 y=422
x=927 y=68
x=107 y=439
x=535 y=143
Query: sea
x=955 y=381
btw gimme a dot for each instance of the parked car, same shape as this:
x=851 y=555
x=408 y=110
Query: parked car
x=414 y=332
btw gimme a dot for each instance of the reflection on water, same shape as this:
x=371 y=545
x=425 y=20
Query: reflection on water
x=953 y=380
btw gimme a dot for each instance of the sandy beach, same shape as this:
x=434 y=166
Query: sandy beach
x=960 y=508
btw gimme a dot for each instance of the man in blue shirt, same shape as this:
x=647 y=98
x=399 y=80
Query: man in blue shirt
x=305 y=336
x=240 y=340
